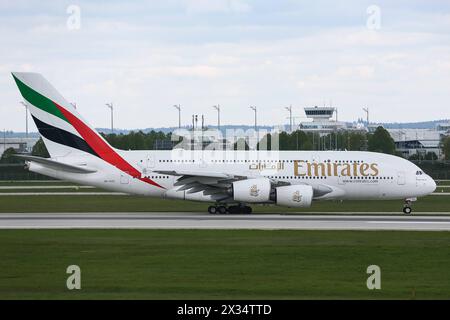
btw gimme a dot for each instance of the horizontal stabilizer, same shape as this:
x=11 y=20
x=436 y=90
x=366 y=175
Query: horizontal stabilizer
x=55 y=165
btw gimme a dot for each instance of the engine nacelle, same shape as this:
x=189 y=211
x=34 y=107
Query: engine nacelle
x=252 y=190
x=294 y=196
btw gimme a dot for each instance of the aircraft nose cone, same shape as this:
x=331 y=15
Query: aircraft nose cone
x=431 y=184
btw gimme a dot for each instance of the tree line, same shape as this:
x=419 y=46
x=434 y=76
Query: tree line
x=378 y=141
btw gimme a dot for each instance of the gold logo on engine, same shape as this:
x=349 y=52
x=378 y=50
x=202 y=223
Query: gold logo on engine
x=296 y=196
x=254 y=191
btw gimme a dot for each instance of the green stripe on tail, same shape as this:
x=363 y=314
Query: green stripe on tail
x=38 y=100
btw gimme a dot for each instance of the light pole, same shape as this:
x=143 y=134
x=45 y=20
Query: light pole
x=218 y=116
x=178 y=107
x=111 y=107
x=256 y=131
x=254 y=109
x=366 y=110
x=290 y=117
x=26 y=117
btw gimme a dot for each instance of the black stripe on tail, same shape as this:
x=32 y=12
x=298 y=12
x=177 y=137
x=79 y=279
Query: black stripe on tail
x=62 y=137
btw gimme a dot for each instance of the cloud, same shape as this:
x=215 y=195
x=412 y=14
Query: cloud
x=358 y=71
x=216 y=6
x=147 y=56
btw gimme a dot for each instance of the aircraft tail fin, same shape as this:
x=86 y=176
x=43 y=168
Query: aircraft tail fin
x=62 y=128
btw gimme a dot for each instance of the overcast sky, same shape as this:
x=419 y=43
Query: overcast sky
x=146 y=56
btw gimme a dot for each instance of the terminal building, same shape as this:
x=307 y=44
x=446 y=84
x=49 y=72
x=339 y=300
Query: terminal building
x=420 y=141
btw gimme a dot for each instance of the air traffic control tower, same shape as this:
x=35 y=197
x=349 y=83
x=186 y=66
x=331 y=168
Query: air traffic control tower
x=321 y=120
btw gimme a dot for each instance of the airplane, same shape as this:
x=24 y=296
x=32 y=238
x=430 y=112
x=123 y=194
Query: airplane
x=231 y=181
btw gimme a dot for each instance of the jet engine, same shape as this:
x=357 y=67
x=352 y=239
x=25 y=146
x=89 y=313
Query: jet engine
x=251 y=190
x=294 y=196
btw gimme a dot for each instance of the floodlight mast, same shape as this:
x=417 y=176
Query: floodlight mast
x=111 y=107
x=26 y=117
x=178 y=107
x=217 y=107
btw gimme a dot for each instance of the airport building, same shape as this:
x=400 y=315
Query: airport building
x=444 y=128
x=417 y=141
x=20 y=145
x=322 y=122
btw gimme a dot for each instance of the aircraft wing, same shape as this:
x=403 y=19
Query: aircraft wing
x=215 y=184
x=55 y=165
x=218 y=183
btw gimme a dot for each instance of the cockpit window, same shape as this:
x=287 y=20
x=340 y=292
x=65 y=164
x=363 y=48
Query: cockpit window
x=419 y=172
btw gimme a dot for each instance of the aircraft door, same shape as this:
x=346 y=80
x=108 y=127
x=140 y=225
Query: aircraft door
x=150 y=161
x=124 y=178
x=401 y=177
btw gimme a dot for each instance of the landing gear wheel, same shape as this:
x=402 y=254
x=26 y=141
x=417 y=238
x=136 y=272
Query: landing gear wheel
x=239 y=209
x=233 y=209
x=222 y=209
x=212 y=209
x=407 y=207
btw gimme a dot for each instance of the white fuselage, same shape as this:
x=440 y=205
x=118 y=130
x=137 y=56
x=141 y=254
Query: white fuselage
x=350 y=174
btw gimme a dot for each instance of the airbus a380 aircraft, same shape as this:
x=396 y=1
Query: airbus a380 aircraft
x=231 y=180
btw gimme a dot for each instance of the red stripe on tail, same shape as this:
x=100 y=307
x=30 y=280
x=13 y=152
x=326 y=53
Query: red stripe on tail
x=102 y=148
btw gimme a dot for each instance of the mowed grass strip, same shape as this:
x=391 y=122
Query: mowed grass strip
x=36 y=183
x=73 y=189
x=113 y=203
x=223 y=264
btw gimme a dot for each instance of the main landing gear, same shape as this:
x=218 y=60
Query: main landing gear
x=221 y=209
x=407 y=206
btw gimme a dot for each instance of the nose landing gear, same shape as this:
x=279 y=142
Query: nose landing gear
x=407 y=209
x=407 y=206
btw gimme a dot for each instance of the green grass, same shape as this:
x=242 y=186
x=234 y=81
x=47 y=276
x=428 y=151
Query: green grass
x=36 y=183
x=77 y=203
x=224 y=264
x=69 y=189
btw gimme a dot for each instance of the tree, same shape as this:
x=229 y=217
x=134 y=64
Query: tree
x=357 y=141
x=446 y=147
x=39 y=149
x=431 y=156
x=381 y=141
x=8 y=156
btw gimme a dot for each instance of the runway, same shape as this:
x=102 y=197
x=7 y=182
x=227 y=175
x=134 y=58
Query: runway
x=180 y=220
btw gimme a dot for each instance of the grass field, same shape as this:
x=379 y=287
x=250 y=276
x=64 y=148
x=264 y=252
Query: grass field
x=52 y=189
x=221 y=264
x=114 y=203
x=35 y=182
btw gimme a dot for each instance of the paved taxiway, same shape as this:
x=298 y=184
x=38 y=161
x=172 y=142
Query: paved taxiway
x=180 y=220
